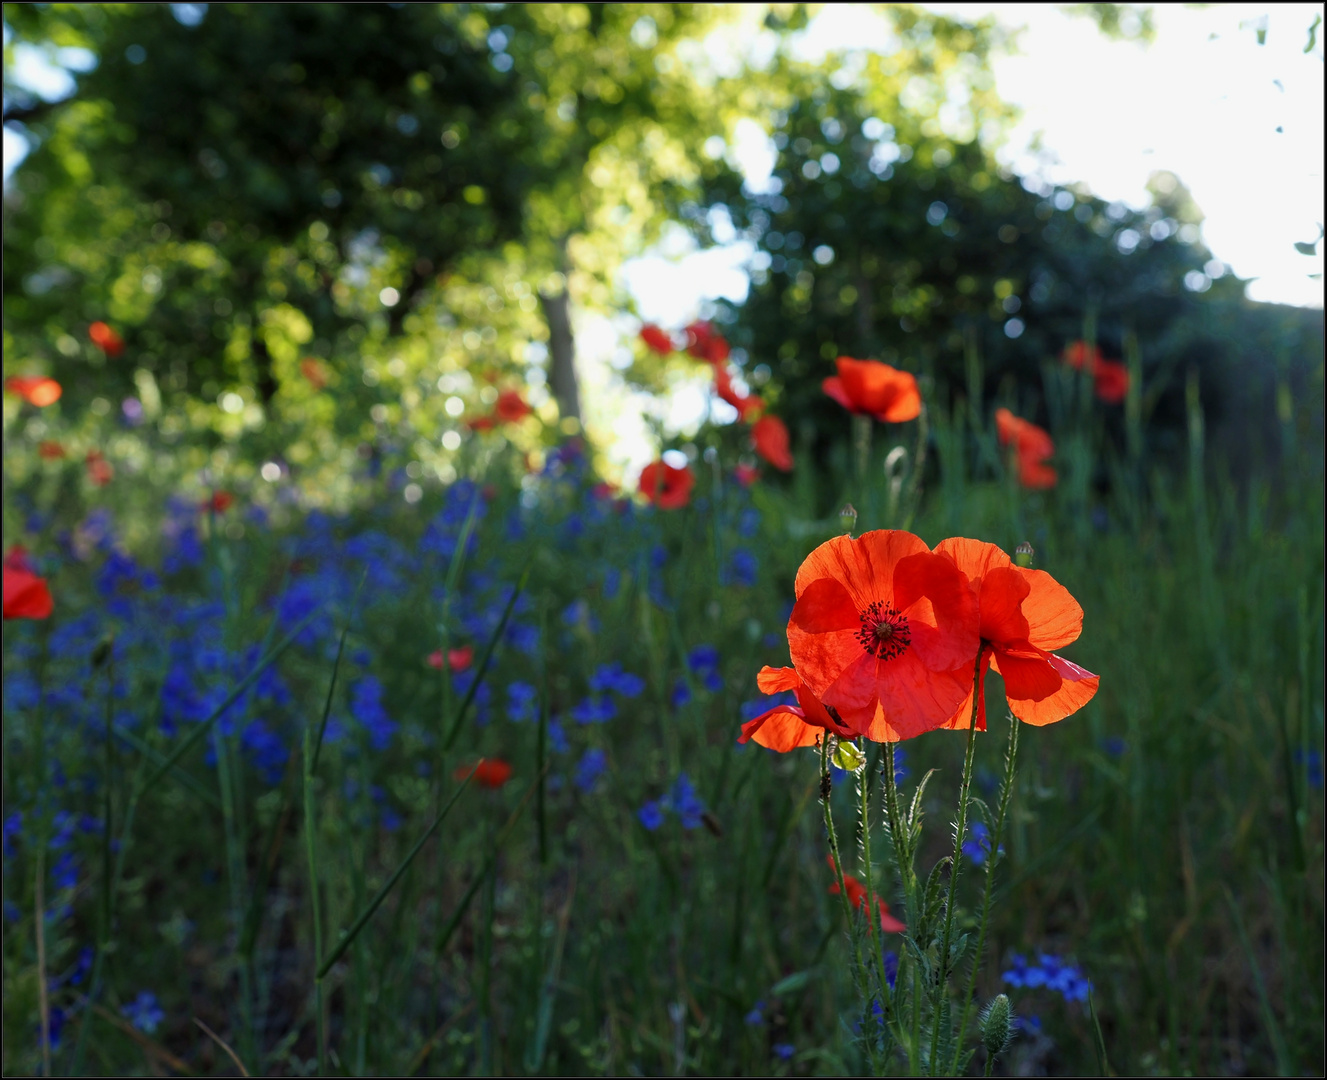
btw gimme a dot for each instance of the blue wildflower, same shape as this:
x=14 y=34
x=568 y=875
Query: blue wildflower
x=748 y=521
x=784 y=1051
x=612 y=677
x=557 y=738
x=756 y=1015
x=594 y=710
x=366 y=706
x=1313 y=760
x=522 y=702
x=65 y=871
x=651 y=815
x=144 y=1012
x=742 y=567
x=684 y=801
x=523 y=638
x=592 y=765
x=681 y=694
x=979 y=846
x=891 y=968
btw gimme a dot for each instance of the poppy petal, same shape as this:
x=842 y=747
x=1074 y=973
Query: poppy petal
x=1053 y=616
x=864 y=566
x=935 y=597
x=963 y=714
x=783 y=728
x=825 y=607
x=776 y=680
x=852 y=694
x=833 y=386
x=976 y=558
x=1078 y=685
x=1002 y=593
x=888 y=923
x=1028 y=674
x=26 y=596
x=917 y=699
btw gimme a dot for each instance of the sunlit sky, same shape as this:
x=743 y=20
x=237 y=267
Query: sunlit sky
x=1241 y=124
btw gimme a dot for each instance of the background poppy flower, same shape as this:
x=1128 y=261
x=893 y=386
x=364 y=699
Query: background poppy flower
x=705 y=343
x=884 y=633
x=746 y=475
x=1022 y=615
x=314 y=372
x=51 y=450
x=857 y=898
x=100 y=471
x=666 y=487
x=875 y=389
x=26 y=596
x=747 y=405
x=1111 y=381
x=770 y=436
x=1079 y=355
x=106 y=339
x=35 y=389
x=17 y=558
x=788 y=727
x=491 y=772
x=656 y=339
x=219 y=503
x=457 y=659
x=1032 y=445
x=511 y=407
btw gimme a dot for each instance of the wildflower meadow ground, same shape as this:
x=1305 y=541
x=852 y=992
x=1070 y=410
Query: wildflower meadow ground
x=1015 y=765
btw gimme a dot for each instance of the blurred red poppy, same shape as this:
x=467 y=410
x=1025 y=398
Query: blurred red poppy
x=875 y=389
x=511 y=407
x=668 y=488
x=314 y=371
x=17 y=558
x=219 y=503
x=26 y=596
x=1079 y=355
x=482 y=423
x=746 y=475
x=884 y=633
x=656 y=339
x=1023 y=615
x=747 y=405
x=1032 y=446
x=106 y=339
x=34 y=389
x=770 y=435
x=788 y=727
x=457 y=659
x=1111 y=377
x=706 y=343
x=857 y=898
x=51 y=450
x=100 y=471
x=490 y=773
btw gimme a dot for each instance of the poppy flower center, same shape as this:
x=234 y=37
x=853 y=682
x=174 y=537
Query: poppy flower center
x=884 y=631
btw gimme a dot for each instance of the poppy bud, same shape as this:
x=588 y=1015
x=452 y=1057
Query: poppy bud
x=1023 y=554
x=847 y=757
x=996 y=1024
x=101 y=652
x=848 y=518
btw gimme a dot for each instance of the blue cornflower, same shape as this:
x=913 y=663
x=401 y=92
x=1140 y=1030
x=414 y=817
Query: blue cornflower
x=979 y=846
x=591 y=766
x=1029 y=1024
x=612 y=677
x=522 y=701
x=612 y=581
x=523 y=638
x=266 y=750
x=1050 y=972
x=891 y=968
x=651 y=815
x=594 y=710
x=784 y=1050
x=684 y=801
x=65 y=871
x=578 y=615
x=681 y=694
x=1313 y=759
x=13 y=831
x=748 y=521
x=366 y=706
x=704 y=661
x=144 y=1012
x=557 y=738
x=772 y=640
x=658 y=556
x=1114 y=745
x=743 y=567
x=756 y=1015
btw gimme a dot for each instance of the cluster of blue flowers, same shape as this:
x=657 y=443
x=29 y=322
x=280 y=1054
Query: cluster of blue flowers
x=681 y=800
x=1050 y=972
x=978 y=845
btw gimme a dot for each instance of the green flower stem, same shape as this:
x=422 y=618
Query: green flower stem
x=1006 y=791
x=863 y=790
x=960 y=828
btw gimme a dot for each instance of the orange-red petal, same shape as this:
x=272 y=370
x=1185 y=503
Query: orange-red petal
x=776 y=680
x=782 y=728
x=1077 y=688
x=26 y=596
x=1053 y=616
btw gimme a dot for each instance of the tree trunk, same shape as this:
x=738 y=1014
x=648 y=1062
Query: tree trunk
x=562 y=353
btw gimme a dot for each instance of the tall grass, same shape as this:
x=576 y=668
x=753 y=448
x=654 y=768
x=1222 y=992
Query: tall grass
x=1168 y=839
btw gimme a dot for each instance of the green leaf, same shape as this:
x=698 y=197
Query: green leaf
x=792 y=983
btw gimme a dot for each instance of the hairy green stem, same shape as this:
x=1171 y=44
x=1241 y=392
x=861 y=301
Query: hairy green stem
x=863 y=791
x=1006 y=791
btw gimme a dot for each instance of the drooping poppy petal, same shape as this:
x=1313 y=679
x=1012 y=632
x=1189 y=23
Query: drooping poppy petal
x=34 y=389
x=770 y=436
x=1077 y=688
x=668 y=488
x=782 y=728
x=934 y=596
x=26 y=596
x=656 y=339
x=962 y=717
x=1028 y=673
x=1003 y=591
x=875 y=389
x=777 y=680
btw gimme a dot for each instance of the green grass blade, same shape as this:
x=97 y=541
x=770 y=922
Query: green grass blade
x=202 y=729
x=349 y=936
x=1098 y=1041
x=1283 y=1063
x=183 y=776
x=336 y=667
x=486 y=659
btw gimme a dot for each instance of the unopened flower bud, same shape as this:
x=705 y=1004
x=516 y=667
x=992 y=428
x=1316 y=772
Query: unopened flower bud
x=996 y=1025
x=1023 y=554
x=847 y=757
x=848 y=518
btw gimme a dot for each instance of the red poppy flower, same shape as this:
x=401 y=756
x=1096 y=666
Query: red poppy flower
x=1032 y=445
x=100 y=471
x=1112 y=381
x=770 y=435
x=884 y=633
x=17 y=558
x=26 y=596
x=668 y=488
x=219 y=503
x=1023 y=615
x=34 y=389
x=746 y=475
x=876 y=389
x=106 y=339
x=482 y=423
x=656 y=339
x=314 y=371
x=706 y=343
x=1079 y=355
x=51 y=450
x=491 y=772
x=747 y=405
x=787 y=727
x=457 y=659
x=857 y=898
x=511 y=407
